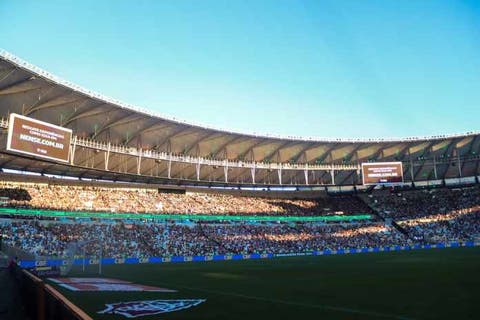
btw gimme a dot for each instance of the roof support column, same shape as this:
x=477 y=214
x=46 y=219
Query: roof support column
x=225 y=171
x=279 y=171
x=139 y=160
x=198 y=169
x=252 y=171
x=305 y=172
x=332 y=174
x=359 y=174
x=169 y=169
x=72 y=150
x=459 y=165
x=412 y=175
x=435 y=168
x=107 y=156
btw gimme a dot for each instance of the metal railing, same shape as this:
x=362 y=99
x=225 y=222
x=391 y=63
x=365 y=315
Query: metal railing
x=165 y=156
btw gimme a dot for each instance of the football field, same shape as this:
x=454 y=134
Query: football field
x=421 y=284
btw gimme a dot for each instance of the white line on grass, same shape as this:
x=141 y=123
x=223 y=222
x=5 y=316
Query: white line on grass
x=300 y=304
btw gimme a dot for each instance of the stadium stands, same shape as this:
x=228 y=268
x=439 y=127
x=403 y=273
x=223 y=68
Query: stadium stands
x=433 y=215
x=424 y=202
x=411 y=217
x=147 y=239
x=143 y=200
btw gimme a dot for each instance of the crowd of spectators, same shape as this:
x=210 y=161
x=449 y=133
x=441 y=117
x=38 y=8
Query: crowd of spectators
x=462 y=224
x=142 y=200
x=306 y=237
x=53 y=239
x=424 y=202
x=410 y=216
x=434 y=215
x=119 y=240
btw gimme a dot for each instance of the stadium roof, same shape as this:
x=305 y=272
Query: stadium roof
x=28 y=90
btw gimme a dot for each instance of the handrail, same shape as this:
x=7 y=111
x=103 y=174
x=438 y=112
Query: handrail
x=87 y=143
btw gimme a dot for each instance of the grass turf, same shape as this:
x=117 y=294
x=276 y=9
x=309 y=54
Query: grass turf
x=422 y=284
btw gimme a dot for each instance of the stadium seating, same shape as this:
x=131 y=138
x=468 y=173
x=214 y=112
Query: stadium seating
x=405 y=217
x=48 y=238
x=433 y=215
x=143 y=200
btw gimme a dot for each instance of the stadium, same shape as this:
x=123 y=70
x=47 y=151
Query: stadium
x=112 y=211
x=134 y=192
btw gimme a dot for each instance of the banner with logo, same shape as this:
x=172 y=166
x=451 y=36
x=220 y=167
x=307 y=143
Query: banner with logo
x=176 y=259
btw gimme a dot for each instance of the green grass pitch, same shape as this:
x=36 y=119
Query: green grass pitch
x=422 y=284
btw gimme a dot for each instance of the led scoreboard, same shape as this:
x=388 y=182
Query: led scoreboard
x=38 y=138
x=382 y=173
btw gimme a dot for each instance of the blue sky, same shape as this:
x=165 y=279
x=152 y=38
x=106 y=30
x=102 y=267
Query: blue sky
x=306 y=68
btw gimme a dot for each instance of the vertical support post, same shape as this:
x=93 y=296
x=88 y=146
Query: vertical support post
x=72 y=150
x=198 y=170
x=252 y=171
x=332 y=174
x=459 y=165
x=435 y=168
x=225 y=171
x=107 y=156
x=169 y=166
x=411 y=170
x=279 y=171
x=305 y=172
x=359 y=174
x=139 y=160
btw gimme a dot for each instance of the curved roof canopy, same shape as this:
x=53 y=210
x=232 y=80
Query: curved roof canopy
x=28 y=90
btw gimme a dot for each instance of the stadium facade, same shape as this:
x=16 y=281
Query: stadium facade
x=115 y=141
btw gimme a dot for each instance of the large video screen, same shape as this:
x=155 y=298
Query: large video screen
x=38 y=138
x=382 y=173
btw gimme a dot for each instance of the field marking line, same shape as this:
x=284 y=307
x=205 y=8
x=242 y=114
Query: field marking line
x=300 y=304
